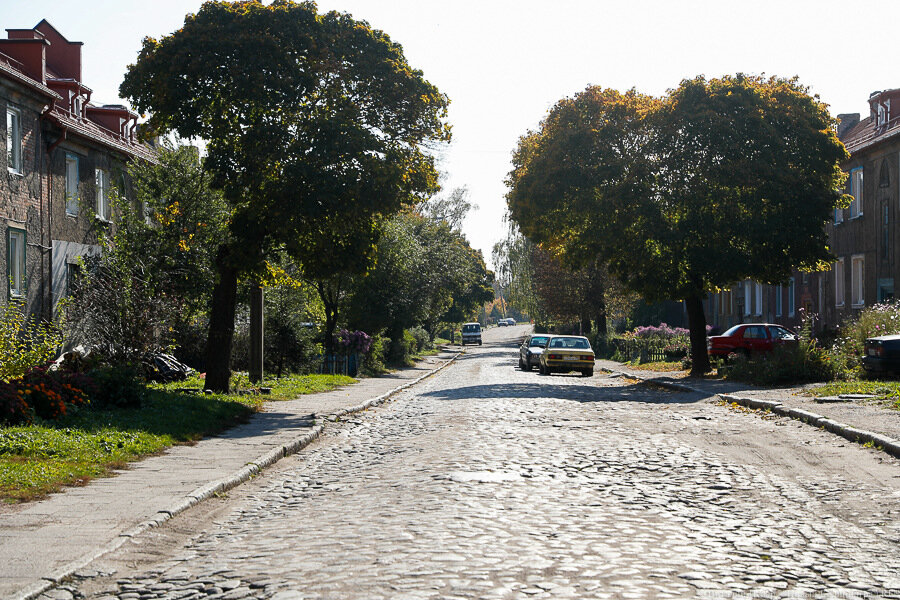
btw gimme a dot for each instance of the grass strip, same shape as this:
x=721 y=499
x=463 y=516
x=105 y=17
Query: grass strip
x=886 y=392
x=44 y=457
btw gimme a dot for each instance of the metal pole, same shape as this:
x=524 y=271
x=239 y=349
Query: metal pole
x=256 y=334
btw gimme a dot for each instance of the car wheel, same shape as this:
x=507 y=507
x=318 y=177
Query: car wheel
x=541 y=369
x=528 y=365
x=587 y=373
x=521 y=364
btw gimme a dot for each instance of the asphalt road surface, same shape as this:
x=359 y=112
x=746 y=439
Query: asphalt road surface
x=489 y=482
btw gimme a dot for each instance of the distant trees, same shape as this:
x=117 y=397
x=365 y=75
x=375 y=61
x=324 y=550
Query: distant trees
x=315 y=125
x=553 y=292
x=721 y=180
x=425 y=274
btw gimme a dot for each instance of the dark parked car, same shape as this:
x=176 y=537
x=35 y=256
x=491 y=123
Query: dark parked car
x=749 y=338
x=882 y=354
x=530 y=351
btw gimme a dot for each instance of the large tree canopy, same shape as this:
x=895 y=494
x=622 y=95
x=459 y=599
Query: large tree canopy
x=314 y=124
x=721 y=180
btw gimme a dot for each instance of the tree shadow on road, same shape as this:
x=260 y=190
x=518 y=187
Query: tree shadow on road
x=572 y=392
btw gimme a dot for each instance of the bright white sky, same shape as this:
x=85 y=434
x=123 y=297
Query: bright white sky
x=504 y=63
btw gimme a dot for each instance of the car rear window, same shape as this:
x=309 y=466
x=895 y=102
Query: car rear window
x=471 y=328
x=780 y=333
x=575 y=343
x=538 y=341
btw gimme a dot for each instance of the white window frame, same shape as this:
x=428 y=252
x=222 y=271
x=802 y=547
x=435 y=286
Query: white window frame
x=840 y=283
x=792 y=297
x=856 y=190
x=15 y=261
x=72 y=197
x=101 y=187
x=779 y=291
x=857 y=280
x=14 y=140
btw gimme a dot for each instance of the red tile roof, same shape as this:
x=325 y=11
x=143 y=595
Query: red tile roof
x=866 y=134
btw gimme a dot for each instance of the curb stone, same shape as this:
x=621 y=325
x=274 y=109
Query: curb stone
x=250 y=470
x=860 y=436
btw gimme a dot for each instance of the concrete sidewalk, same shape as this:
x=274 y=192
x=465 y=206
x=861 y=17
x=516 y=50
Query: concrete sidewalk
x=43 y=542
x=857 y=420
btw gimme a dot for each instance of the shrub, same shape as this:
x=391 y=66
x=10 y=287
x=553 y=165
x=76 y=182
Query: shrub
x=373 y=363
x=663 y=331
x=24 y=343
x=13 y=409
x=849 y=345
x=804 y=363
x=421 y=337
x=43 y=393
x=352 y=342
x=117 y=386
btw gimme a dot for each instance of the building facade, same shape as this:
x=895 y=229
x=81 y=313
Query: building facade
x=64 y=156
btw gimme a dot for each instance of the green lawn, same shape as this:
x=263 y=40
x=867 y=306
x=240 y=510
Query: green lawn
x=42 y=458
x=888 y=392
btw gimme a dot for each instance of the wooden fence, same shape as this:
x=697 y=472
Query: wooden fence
x=643 y=350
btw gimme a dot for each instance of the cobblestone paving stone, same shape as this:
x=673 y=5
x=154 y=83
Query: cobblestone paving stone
x=487 y=482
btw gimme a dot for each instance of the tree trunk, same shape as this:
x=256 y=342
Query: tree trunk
x=697 y=325
x=257 y=352
x=330 y=304
x=221 y=326
x=600 y=320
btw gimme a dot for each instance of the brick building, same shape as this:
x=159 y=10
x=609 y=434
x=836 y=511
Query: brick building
x=64 y=155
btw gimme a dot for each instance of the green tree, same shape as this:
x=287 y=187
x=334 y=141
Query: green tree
x=722 y=180
x=314 y=123
x=425 y=274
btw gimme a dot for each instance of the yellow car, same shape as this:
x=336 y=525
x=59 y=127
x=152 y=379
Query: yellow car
x=565 y=353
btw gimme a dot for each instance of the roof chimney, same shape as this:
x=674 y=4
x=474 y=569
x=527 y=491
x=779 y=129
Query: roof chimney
x=846 y=122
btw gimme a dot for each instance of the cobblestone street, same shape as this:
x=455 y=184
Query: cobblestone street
x=486 y=481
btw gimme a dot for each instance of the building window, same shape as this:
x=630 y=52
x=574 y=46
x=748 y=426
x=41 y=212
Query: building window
x=856 y=190
x=101 y=185
x=839 y=282
x=73 y=277
x=15 y=260
x=13 y=140
x=71 y=184
x=792 y=295
x=886 y=289
x=778 y=294
x=857 y=282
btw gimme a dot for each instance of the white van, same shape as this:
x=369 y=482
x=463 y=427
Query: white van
x=471 y=333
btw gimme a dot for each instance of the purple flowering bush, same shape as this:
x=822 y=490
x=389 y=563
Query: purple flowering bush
x=352 y=342
x=663 y=332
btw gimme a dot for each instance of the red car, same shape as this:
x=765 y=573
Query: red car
x=749 y=338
